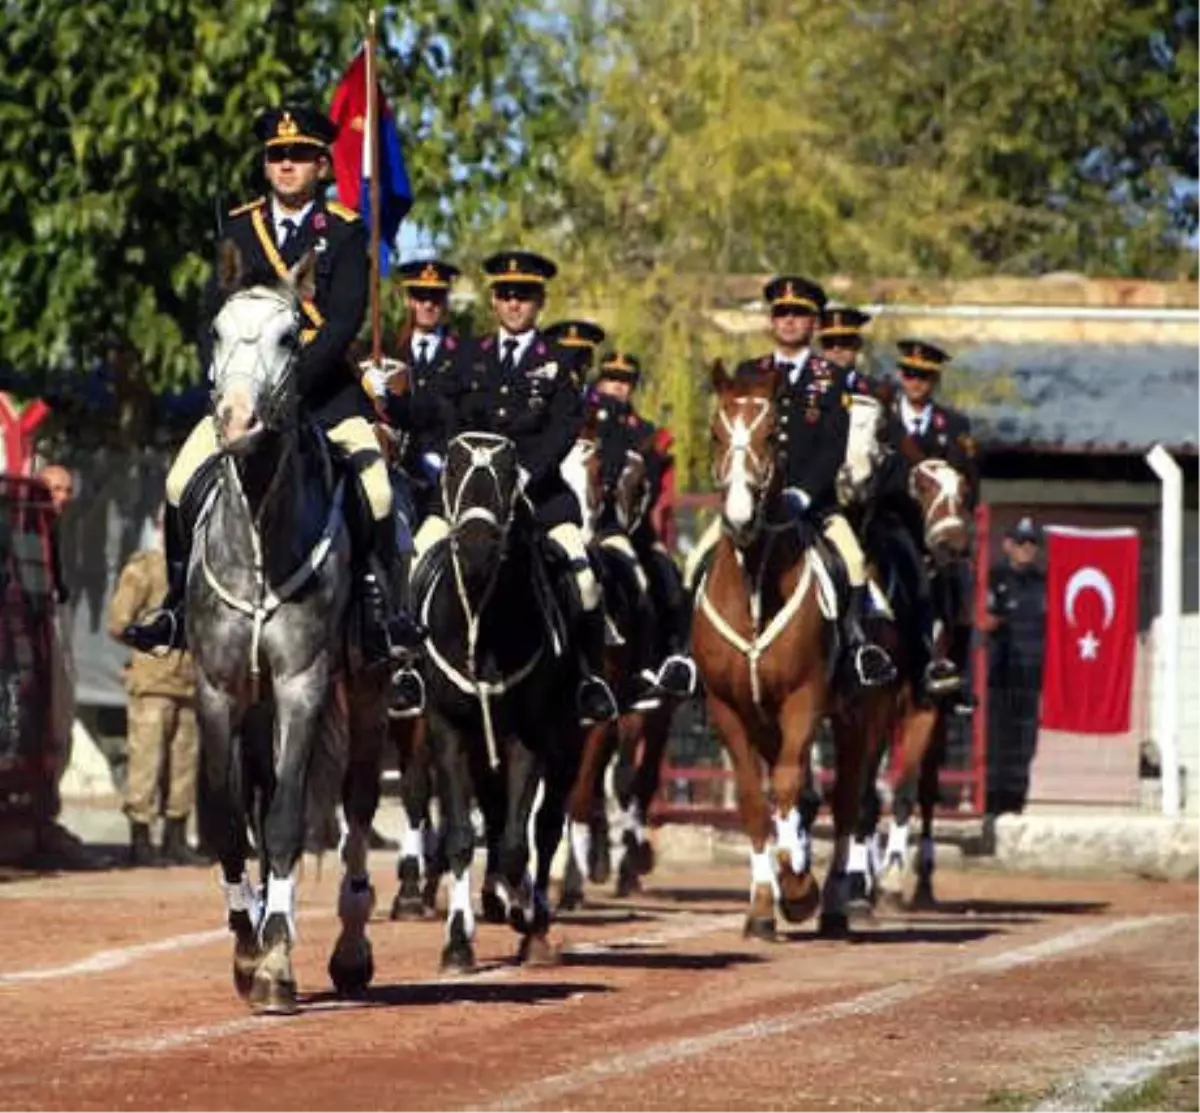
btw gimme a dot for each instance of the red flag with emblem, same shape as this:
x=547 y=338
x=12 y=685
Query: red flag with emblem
x=1091 y=629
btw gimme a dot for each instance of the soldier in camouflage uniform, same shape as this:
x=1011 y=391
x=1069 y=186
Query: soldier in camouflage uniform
x=162 y=723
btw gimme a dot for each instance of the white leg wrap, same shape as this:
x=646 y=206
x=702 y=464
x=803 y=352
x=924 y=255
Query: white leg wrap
x=242 y=896
x=762 y=871
x=630 y=820
x=897 y=844
x=568 y=538
x=412 y=844
x=789 y=837
x=281 y=898
x=874 y=856
x=581 y=844
x=857 y=862
x=460 y=901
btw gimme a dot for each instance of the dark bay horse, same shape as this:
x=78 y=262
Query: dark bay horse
x=939 y=492
x=763 y=642
x=285 y=725
x=500 y=695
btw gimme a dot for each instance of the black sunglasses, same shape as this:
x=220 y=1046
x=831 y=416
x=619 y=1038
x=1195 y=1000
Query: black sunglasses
x=433 y=297
x=300 y=152
x=924 y=376
x=778 y=311
x=515 y=292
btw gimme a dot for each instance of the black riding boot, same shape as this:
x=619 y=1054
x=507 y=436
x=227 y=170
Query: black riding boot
x=142 y=851
x=677 y=676
x=163 y=629
x=386 y=629
x=595 y=698
x=873 y=666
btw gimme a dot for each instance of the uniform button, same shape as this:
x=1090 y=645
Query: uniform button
x=502 y=412
x=783 y=438
x=474 y=384
x=504 y=390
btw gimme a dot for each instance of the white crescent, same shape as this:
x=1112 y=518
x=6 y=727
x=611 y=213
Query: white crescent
x=1090 y=577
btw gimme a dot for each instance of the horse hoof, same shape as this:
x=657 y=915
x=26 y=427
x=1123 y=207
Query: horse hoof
x=537 y=950
x=628 y=880
x=492 y=910
x=458 y=957
x=892 y=902
x=834 y=925
x=273 y=997
x=352 y=972
x=799 y=894
x=923 y=899
x=570 y=900
x=600 y=870
x=760 y=927
x=407 y=907
x=643 y=860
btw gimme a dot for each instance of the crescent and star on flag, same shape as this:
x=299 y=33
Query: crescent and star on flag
x=1084 y=579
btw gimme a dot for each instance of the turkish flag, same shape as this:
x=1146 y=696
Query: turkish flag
x=1091 y=629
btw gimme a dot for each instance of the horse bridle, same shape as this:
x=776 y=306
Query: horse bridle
x=741 y=440
x=629 y=522
x=948 y=480
x=482 y=459
x=279 y=380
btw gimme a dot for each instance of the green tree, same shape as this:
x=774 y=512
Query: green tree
x=125 y=130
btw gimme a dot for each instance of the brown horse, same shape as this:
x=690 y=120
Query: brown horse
x=764 y=647
x=941 y=493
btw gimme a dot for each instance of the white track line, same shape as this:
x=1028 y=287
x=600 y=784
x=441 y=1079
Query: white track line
x=102 y=961
x=554 y=1087
x=1101 y=1082
x=690 y=928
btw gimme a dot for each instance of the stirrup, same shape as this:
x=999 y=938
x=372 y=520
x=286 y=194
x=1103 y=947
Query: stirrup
x=407 y=705
x=135 y=634
x=942 y=678
x=873 y=667
x=599 y=687
x=675 y=662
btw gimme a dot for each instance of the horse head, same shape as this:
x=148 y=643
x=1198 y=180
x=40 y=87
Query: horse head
x=941 y=490
x=256 y=337
x=631 y=492
x=863 y=447
x=480 y=485
x=582 y=472
x=743 y=432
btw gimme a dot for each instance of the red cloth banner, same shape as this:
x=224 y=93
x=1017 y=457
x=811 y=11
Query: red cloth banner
x=1091 y=629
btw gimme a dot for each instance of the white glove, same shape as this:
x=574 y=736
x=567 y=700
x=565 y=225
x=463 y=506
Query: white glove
x=374 y=376
x=433 y=463
x=797 y=499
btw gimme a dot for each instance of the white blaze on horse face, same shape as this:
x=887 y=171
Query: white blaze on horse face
x=254 y=342
x=739 y=495
x=574 y=470
x=862 y=445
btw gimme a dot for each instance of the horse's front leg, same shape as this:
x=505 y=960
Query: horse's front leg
x=221 y=818
x=411 y=901
x=579 y=804
x=455 y=792
x=798 y=719
x=756 y=820
x=515 y=888
x=299 y=711
x=352 y=965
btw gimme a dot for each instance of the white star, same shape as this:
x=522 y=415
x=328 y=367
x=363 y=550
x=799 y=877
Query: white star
x=1089 y=646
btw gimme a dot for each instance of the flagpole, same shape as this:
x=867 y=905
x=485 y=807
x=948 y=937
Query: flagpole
x=373 y=142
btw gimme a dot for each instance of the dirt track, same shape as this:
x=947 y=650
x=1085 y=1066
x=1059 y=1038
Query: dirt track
x=115 y=992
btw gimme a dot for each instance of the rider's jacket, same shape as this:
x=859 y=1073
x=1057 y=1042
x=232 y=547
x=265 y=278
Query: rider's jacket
x=812 y=423
x=424 y=411
x=327 y=384
x=535 y=403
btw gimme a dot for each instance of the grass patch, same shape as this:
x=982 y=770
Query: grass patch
x=1174 y=1089
x=1005 y=1099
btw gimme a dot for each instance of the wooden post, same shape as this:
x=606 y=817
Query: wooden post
x=373 y=155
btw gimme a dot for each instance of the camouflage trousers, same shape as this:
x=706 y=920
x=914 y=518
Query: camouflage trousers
x=161 y=729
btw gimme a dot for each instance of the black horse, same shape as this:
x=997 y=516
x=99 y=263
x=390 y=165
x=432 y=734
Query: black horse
x=500 y=703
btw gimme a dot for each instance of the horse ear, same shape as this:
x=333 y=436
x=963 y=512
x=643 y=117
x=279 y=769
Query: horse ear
x=719 y=376
x=230 y=266
x=303 y=276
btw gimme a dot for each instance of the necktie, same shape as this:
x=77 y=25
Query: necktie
x=508 y=361
x=289 y=233
x=787 y=367
x=423 y=352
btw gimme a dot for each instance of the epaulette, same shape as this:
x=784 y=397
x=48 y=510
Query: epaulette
x=248 y=206
x=338 y=209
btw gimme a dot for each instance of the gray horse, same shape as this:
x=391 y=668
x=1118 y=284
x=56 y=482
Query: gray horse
x=284 y=723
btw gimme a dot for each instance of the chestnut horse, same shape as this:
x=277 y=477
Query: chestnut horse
x=940 y=493
x=764 y=644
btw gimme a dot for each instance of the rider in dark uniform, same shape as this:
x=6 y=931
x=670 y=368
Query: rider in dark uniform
x=812 y=425
x=579 y=339
x=273 y=234
x=517 y=383
x=920 y=429
x=623 y=430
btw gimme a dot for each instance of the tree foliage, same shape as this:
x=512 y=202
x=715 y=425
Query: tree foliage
x=125 y=130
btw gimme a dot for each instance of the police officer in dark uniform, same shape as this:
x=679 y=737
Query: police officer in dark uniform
x=517 y=383
x=919 y=428
x=273 y=234
x=579 y=339
x=1016 y=625
x=841 y=334
x=623 y=430
x=812 y=425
